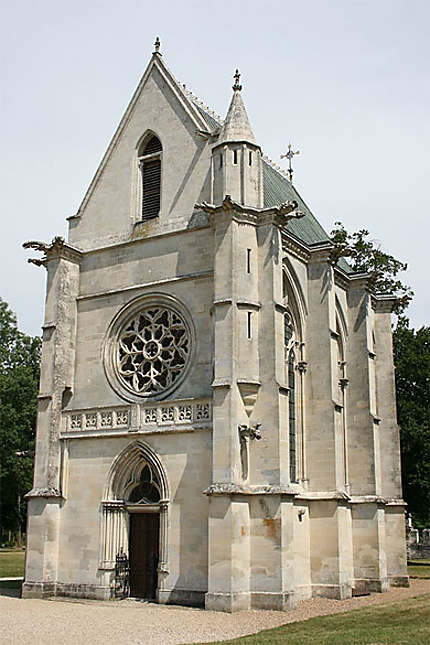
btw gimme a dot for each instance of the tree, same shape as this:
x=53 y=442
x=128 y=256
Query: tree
x=411 y=360
x=19 y=378
x=365 y=256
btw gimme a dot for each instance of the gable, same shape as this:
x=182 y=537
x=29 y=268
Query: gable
x=112 y=205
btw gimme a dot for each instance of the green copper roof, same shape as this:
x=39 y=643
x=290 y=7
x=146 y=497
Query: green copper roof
x=278 y=189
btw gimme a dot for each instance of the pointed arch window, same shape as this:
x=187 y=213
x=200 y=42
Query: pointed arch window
x=292 y=416
x=291 y=365
x=146 y=490
x=150 y=153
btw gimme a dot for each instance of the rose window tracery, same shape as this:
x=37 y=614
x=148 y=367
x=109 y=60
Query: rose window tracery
x=152 y=350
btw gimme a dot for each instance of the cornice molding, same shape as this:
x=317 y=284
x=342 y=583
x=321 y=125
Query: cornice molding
x=291 y=245
x=277 y=215
x=383 y=303
x=320 y=253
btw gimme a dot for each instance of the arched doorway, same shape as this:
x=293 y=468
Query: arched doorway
x=142 y=503
x=134 y=519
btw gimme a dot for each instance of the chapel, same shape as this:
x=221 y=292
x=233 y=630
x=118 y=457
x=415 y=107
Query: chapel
x=216 y=418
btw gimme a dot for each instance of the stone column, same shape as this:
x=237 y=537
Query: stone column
x=228 y=587
x=271 y=461
x=363 y=420
x=229 y=554
x=331 y=547
x=163 y=560
x=56 y=387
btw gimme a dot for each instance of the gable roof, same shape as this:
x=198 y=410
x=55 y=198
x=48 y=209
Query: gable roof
x=277 y=188
x=197 y=116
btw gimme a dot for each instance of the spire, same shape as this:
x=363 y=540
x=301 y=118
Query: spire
x=236 y=126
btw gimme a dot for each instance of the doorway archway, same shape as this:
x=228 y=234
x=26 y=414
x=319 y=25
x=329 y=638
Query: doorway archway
x=135 y=519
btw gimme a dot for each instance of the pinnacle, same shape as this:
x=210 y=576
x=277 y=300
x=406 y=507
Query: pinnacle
x=236 y=125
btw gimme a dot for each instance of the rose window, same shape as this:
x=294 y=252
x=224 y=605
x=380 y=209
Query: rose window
x=152 y=351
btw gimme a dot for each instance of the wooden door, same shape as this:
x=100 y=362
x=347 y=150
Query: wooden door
x=143 y=554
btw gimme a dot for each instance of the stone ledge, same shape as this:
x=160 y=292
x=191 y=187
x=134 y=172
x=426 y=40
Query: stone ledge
x=368 y=585
x=398 y=581
x=336 y=592
x=181 y=597
x=44 y=492
x=275 y=601
x=228 y=602
x=38 y=589
x=239 y=489
x=66 y=589
x=106 y=294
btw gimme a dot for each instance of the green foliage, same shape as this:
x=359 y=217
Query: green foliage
x=366 y=257
x=412 y=361
x=19 y=378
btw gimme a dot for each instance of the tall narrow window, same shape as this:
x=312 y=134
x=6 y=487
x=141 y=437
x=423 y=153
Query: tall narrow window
x=292 y=416
x=248 y=260
x=248 y=324
x=250 y=158
x=235 y=156
x=150 y=167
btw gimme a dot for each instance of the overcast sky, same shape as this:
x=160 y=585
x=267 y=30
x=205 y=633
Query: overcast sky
x=346 y=81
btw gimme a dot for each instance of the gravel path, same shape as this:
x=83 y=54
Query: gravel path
x=68 y=622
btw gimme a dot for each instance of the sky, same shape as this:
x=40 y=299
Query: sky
x=346 y=81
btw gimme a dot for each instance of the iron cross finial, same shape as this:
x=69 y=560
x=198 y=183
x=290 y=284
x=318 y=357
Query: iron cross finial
x=157 y=45
x=289 y=155
x=236 y=85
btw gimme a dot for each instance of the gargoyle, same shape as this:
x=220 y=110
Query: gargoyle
x=43 y=247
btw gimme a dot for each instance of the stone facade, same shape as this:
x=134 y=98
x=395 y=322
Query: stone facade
x=210 y=366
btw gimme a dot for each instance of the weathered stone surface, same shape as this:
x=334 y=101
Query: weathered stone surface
x=272 y=453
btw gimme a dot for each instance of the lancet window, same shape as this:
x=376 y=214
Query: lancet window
x=289 y=338
x=150 y=168
x=292 y=416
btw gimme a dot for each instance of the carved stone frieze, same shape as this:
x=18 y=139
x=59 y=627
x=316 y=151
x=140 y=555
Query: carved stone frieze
x=98 y=419
x=239 y=489
x=176 y=413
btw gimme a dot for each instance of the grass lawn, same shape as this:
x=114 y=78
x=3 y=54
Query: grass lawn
x=419 y=569
x=406 y=623
x=11 y=563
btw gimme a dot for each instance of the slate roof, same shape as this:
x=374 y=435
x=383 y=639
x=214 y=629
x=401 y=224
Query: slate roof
x=212 y=123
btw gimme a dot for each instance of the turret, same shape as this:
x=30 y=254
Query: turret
x=236 y=157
